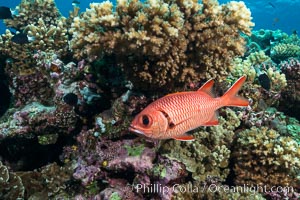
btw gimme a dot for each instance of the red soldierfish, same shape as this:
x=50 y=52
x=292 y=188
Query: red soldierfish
x=175 y=114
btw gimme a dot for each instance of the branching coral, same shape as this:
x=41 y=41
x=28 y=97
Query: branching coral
x=30 y=11
x=49 y=37
x=283 y=51
x=93 y=31
x=259 y=62
x=264 y=157
x=163 y=43
x=38 y=19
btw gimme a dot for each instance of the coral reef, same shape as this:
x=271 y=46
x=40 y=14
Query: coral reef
x=78 y=84
x=290 y=100
x=46 y=182
x=209 y=154
x=11 y=186
x=263 y=151
x=284 y=51
x=30 y=11
x=109 y=156
x=162 y=44
x=36 y=120
x=47 y=38
x=240 y=67
x=263 y=38
x=255 y=64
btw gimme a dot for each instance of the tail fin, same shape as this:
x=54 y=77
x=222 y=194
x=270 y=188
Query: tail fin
x=230 y=98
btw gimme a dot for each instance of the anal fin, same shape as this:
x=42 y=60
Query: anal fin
x=184 y=137
x=213 y=121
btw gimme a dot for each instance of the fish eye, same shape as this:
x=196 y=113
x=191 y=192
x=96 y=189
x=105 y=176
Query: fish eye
x=145 y=120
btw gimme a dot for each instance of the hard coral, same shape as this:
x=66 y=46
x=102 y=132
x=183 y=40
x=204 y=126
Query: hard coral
x=254 y=65
x=264 y=157
x=30 y=11
x=52 y=37
x=36 y=120
x=99 y=159
x=284 y=51
x=209 y=153
x=164 y=43
x=11 y=186
x=290 y=100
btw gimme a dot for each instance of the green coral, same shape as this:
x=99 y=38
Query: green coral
x=115 y=196
x=135 y=150
x=261 y=39
x=293 y=129
x=258 y=62
x=284 y=51
x=47 y=139
x=160 y=171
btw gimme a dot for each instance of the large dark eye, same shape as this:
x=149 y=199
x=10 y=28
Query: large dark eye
x=145 y=119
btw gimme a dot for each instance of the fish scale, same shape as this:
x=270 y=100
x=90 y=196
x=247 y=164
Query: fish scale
x=175 y=114
x=186 y=105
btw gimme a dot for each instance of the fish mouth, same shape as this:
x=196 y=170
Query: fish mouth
x=133 y=129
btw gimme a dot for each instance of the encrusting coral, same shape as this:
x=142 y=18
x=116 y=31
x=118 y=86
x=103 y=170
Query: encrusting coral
x=209 y=154
x=11 y=186
x=290 y=101
x=163 y=43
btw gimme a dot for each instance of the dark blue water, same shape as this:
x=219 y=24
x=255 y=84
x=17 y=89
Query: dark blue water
x=274 y=14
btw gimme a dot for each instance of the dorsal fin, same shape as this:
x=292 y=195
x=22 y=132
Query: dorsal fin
x=208 y=88
x=230 y=98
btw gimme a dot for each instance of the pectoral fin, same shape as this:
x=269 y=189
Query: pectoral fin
x=184 y=137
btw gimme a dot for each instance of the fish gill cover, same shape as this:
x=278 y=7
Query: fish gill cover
x=80 y=80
